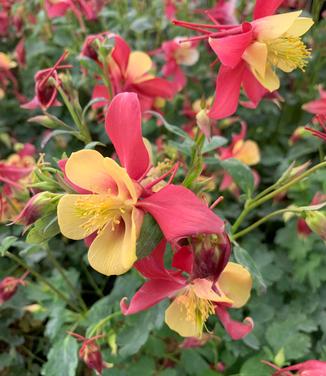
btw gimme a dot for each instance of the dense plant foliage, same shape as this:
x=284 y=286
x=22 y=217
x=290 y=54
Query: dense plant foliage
x=162 y=187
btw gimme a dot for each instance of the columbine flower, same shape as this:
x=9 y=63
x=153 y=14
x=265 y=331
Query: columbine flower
x=46 y=92
x=194 y=299
x=131 y=71
x=9 y=286
x=111 y=200
x=251 y=53
x=177 y=54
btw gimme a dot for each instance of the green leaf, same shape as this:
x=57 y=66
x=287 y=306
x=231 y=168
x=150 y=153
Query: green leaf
x=243 y=258
x=254 y=366
x=171 y=128
x=134 y=336
x=193 y=363
x=214 y=143
x=149 y=237
x=62 y=358
x=6 y=243
x=286 y=334
x=43 y=229
x=240 y=173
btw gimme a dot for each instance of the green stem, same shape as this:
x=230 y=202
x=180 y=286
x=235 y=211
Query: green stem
x=103 y=322
x=263 y=220
x=66 y=279
x=84 y=132
x=37 y=275
x=92 y=281
x=256 y=202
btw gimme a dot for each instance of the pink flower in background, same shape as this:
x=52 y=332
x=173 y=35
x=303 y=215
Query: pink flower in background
x=223 y=11
x=81 y=8
x=251 y=52
x=46 y=92
x=131 y=71
x=178 y=54
x=318 y=106
x=194 y=299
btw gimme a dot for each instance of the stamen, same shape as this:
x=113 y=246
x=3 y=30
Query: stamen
x=288 y=51
x=100 y=211
x=198 y=309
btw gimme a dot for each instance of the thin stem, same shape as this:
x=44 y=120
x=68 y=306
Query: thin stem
x=92 y=281
x=84 y=132
x=103 y=322
x=66 y=279
x=256 y=202
x=37 y=275
x=263 y=220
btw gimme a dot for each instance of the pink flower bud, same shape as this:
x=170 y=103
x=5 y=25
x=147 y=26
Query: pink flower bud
x=9 y=285
x=90 y=353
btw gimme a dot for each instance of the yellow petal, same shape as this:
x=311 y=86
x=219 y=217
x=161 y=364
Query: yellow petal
x=271 y=81
x=91 y=171
x=300 y=26
x=272 y=27
x=126 y=187
x=71 y=224
x=187 y=56
x=247 y=152
x=178 y=319
x=114 y=252
x=236 y=283
x=203 y=289
x=86 y=169
x=138 y=65
x=256 y=56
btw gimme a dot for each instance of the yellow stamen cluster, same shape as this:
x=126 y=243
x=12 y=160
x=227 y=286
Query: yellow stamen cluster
x=198 y=309
x=100 y=212
x=288 y=51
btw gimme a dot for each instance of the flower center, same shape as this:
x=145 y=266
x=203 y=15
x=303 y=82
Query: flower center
x=288 y=52
x=100 y=210
x=198 y=309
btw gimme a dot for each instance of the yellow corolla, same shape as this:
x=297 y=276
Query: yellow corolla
x=277 y=45
x=108 y=211
x=246 y=152
x=189 y=311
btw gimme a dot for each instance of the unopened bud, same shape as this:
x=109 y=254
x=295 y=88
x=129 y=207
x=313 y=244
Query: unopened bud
x=36 y=206
x=316 y=220
x=8 y=287
x=204 y=122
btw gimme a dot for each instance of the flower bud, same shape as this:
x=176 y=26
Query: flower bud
x=316 y=221
x=9 y=285
x=35 y=207
x=90 y=353
x=204 y=122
